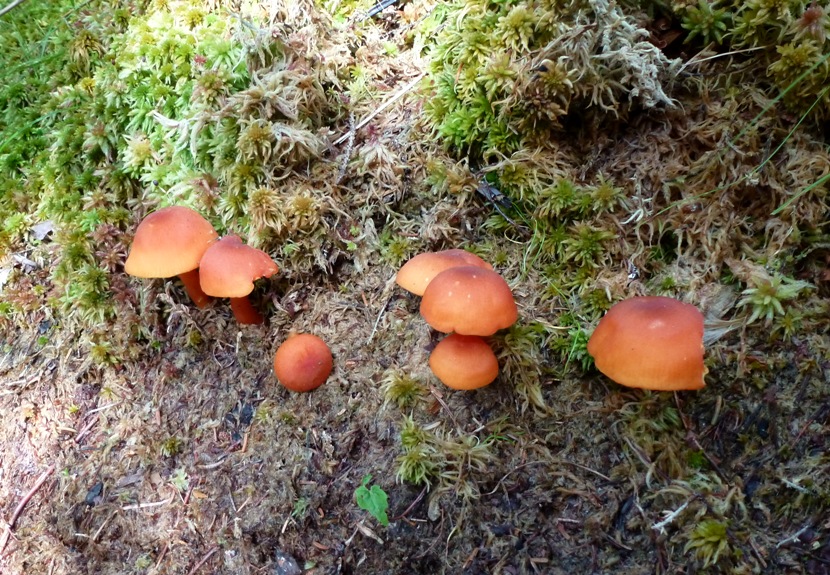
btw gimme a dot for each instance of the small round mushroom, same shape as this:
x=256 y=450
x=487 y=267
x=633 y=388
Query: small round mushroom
x=469 y=300
x=464 y=362
x=170 y=242
x=416 y=274
x=650 y=342
x=229 y=269
x=303 y=362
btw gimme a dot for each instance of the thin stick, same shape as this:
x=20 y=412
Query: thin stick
x=162 y=554
x=101 y=528
x=794 y=537
x=387 y=291
x=411 y=505
x=528 y=464
x=5 y=10
x=395 y=97
x=146 y=505
x=19 y=509
x=732 y=53
x=437 y=395
x=86 y=429
x=588 y=469
x=104 y=407
x=203 y=561
x=670 y=516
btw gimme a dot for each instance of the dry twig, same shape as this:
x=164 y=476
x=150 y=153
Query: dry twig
x=395 y=97
x=6 y=10
x=203 y=561
x=19 y=509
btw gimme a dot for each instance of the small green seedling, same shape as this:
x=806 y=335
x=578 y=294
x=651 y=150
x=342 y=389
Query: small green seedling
x=373 y=500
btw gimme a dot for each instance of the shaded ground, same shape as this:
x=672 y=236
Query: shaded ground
x=178 y=452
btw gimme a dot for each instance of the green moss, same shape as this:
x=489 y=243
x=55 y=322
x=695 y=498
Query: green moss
x=402 y=390
x=506 y=74
x=791 y=41
x=396 y=249
x=164 y=105
x=171 y=446
x=768 y=294
x=705 y=22
x=709 y=541
x=416 y=466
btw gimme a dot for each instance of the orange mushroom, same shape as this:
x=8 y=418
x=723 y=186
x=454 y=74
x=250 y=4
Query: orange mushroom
x=416 y=274
x=468 y=300
x=651 y=342
x=170 y=242
x=303 y=362
x=464 y=362
x=229 y=269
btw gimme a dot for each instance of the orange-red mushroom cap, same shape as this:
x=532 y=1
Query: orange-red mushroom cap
x=464 y=362
x=230 y=267
x=651 y=342
x=416 y=274
x=169 y=242
x=469 y=300
x=303 y=362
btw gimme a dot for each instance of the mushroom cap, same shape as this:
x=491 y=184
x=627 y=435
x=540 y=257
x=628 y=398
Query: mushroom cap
x=469 y=300
x=169 y=242
x=416 y=274
x=464 y=362
x=230 y=267
x=651 y=342
x=303 y=362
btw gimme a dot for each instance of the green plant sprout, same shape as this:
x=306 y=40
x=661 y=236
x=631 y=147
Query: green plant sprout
x=374 y=500
x=767 y=294
x=300 y=508
x=709 y=23
x=709 y=540
x=401 y=389
x=180 y=480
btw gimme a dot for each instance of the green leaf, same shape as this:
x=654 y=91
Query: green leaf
x=374 y=500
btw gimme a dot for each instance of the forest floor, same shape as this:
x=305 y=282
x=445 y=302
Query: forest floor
x=177 y=451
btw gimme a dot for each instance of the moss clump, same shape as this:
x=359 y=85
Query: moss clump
x=401 y=389
x=704 y=21
x=709 y=540
x=505 y=75
x=184 y=103
x=447 y=462
x=790 y=41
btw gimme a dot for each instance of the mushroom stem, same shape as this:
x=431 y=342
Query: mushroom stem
x=244 y=311
x=194 y=289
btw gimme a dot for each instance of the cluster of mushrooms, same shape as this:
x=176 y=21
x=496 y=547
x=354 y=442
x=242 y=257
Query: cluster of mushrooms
x=464 y=297
x=648 y=342
x=178 y=241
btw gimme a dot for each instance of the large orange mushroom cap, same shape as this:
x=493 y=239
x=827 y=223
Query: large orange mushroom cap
x=303 y=362
x=169 y=242
x=229 y=269
x=464 y=362
x=416 y=274
x=469 y=300
x=651 y=342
